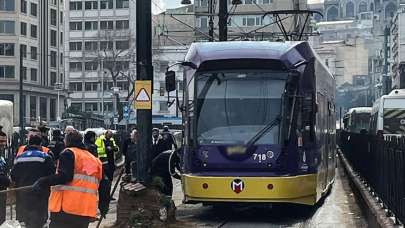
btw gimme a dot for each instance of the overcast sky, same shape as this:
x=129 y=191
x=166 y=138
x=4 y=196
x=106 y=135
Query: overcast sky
x=168 y=4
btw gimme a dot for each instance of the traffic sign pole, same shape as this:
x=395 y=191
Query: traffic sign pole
x=144 y=72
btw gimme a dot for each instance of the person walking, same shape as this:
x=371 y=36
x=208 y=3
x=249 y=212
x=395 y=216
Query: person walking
x=168 y=141
x=75 y=186
x=129 y=151
x=106 y=147
x=157 y=146
x=4 y=183
x=56 y=145
x=90 y=142
x=29 y=166
x=3 y=141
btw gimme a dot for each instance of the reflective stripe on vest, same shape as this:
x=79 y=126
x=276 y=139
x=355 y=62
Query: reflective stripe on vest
x=79 y=196
x=73 y=188
x=29 y=159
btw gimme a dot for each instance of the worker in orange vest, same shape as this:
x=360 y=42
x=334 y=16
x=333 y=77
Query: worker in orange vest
x=32 y=132
x=73 y=200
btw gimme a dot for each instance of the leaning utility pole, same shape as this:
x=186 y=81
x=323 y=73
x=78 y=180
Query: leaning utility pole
x=144 y=72
x=223 y=20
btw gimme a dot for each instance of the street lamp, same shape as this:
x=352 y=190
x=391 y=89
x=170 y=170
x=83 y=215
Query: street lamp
x=58 y=88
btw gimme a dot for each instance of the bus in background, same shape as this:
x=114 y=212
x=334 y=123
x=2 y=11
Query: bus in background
x=357 y=119
x=388 y=114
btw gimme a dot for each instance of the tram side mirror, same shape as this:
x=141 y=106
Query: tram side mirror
x=170 y=81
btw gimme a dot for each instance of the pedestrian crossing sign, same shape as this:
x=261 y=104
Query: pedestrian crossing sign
x=143 y=94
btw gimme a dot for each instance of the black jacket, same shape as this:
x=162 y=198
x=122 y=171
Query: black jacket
x=28 y=168
x=56 y=146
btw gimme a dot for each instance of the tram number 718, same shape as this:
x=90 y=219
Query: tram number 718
x=259 y=157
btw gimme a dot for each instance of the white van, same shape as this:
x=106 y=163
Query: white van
x=388 y=114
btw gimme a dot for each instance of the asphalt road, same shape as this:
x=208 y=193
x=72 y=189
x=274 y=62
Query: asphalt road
x=338 y=210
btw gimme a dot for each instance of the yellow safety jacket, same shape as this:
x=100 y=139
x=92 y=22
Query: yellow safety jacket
x=101 y=146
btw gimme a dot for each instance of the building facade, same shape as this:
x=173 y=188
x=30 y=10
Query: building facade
x=101 y=57
x=34 y=29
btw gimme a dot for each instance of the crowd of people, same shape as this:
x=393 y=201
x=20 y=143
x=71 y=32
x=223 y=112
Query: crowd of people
x=70 y=176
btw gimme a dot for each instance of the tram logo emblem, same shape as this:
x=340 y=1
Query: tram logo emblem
x=237 y=186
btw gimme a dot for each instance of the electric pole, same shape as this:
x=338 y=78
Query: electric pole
x=223 y=20
x=144 y=71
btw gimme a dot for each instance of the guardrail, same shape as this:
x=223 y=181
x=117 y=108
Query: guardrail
x=380 y=163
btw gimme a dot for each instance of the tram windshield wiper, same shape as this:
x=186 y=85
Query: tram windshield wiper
x=263 y=131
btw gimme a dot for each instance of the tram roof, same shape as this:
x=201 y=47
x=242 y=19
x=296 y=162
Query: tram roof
x=360 y=110
x=206 y=51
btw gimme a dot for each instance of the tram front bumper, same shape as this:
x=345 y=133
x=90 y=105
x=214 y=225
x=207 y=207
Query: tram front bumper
x=293 y=189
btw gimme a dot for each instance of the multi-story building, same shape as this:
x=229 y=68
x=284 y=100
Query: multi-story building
x=398 y=50
x=33 y=28
x=245 y=20
x=101 y=36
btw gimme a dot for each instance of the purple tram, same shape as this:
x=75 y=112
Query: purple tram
x=259 y=123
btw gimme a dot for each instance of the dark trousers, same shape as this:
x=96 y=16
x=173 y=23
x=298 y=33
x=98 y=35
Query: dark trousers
x=64 y=220
x=3 y=206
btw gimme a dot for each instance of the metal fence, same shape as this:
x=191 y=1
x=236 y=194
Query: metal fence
x=381 y=164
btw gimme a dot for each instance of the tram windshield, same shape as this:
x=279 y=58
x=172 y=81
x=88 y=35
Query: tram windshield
x=232 y=107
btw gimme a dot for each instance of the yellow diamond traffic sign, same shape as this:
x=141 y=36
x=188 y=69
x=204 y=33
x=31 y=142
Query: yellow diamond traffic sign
x=143 y=94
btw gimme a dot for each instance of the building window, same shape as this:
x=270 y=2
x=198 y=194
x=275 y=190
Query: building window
x=122 y=24
x=7 y=49
x=43 y=108
x=107 y=86
x=52 y=110
x=163 y=107
x=23 y=50
x=61 y=37
x=34 y=53
x=267 y=1
x=121 y=4
x=123 y=85
x=106 y=45
x=34 y=10
x=122 y=45
x=61 y=18
x=90 y=5
x=7 y=71
x=106 y=4
x=90 y=66
x=90 y=46
x=24 y=6
x=34 y=74
x=61 y=79
x=90 y=25
x=90 y=86
x=252 y=21
x=75 y=66
x=53 y=58
x=23 y=28
x=53 y=38
x=33 y=107
x=90 y=107
x=53 y=78
x=24 y=73
x=34 y=31
x=7 y=27
x=61 y=59
x=202 y=3
x=53 y=17
x=7 y=5
x=75 y=86
x=106 y=25
x=75 y=46
x=202 y=22
x=75 y=26
x=75 y=5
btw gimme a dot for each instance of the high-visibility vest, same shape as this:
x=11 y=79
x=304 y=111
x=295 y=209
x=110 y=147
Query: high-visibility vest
x=101 y=146
x=79 y=196
x=22 y=148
